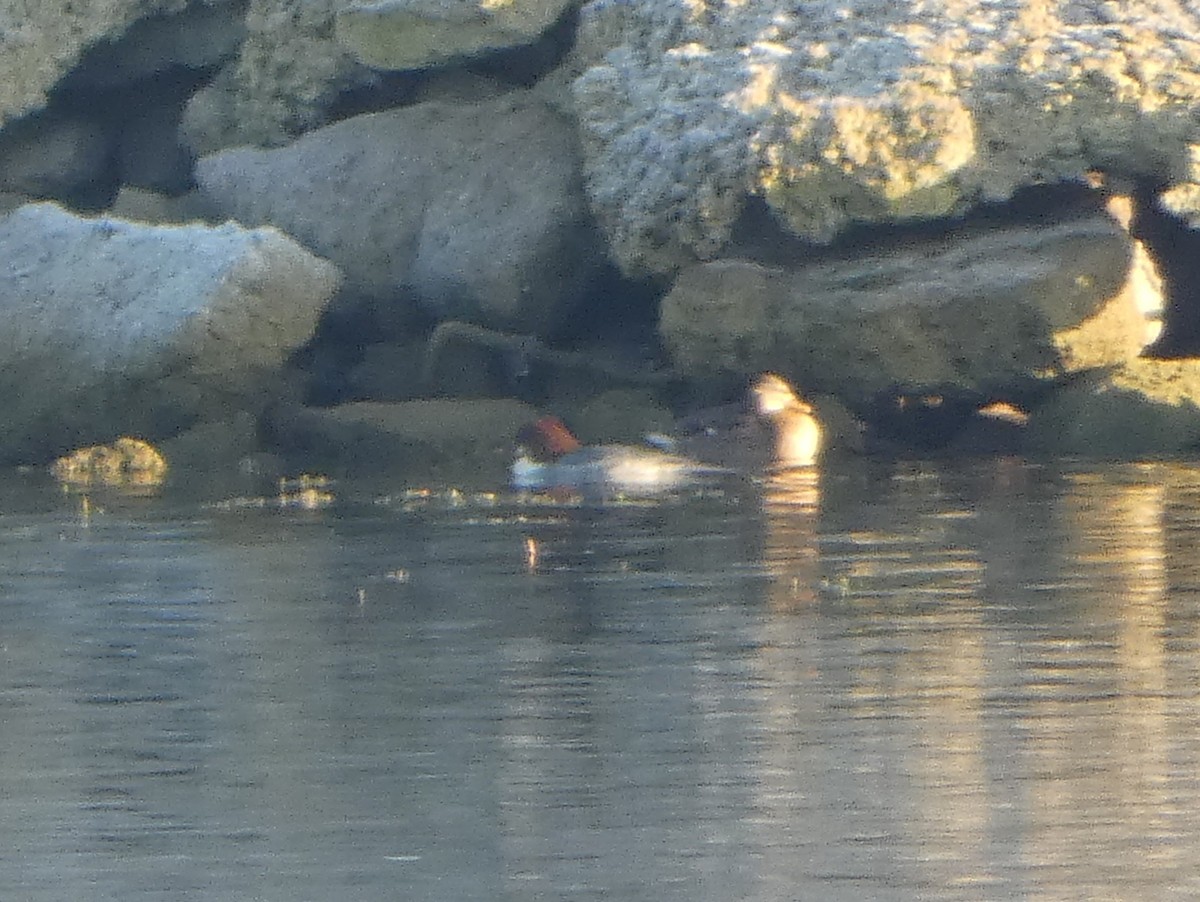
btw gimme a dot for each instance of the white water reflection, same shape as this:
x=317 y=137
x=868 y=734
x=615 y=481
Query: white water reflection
x=888 y=681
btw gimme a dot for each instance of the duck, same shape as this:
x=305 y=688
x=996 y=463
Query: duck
x=550 y=457
x=796 y=431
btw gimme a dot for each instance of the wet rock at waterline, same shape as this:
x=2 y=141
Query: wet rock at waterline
x=115 y=327
x=446 y=440
x=476 y=211
x=972 y=313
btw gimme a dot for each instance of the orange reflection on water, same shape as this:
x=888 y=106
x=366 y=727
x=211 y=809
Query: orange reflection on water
x=791 y=501
x=997 y=656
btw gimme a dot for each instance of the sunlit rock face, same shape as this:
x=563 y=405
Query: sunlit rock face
x=475 y=211
x=868 y=111
x=411 y=34
x=119 y=328
x=977 y=312
x=1146 y=408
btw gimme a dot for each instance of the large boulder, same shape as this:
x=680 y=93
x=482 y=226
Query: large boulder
x=114 y=327
x=414 y=34
x=474 y=210
x=868 y=111
x=976 y=313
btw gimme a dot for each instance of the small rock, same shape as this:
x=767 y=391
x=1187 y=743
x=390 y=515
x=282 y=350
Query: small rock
x=126 y=463
x=1147 y=408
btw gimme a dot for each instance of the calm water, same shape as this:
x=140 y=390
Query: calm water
x=904 y=681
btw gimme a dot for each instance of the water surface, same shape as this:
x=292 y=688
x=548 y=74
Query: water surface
x=915 y=680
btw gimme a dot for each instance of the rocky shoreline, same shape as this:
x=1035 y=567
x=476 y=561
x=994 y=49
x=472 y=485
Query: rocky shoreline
x=374 y=236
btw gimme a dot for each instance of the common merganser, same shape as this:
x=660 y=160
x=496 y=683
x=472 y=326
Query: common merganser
x=793 y=420
x=551 y=457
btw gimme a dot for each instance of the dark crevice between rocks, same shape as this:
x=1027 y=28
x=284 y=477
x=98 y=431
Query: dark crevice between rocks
x=100 y=131
x=324 y=368
x=522 y=67
x=1175 y=249
x=386 y=349
x=760 y=238
x=116 y=136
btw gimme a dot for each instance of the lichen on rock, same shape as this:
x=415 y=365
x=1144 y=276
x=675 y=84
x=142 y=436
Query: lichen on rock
x=126 y=463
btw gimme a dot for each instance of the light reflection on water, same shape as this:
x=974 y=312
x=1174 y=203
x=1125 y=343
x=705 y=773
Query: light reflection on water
x=894 y=681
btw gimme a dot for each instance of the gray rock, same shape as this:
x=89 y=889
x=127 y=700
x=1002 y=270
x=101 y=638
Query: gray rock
x=140 y=205
x=976 y=314
x=287 y=74
x=413 y=34
x=475 y=210
x=114 y=327
x=842 y=112
x=442 y=440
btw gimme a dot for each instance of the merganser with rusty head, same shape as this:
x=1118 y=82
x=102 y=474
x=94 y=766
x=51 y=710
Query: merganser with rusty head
x=550 y=457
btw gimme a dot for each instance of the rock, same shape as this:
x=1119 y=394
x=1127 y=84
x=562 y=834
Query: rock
x=971 y=314
x=41 y=42
x=132 y=329
x=126 y=463
x=869 y=111
x=442 y=440
x=58 y=155
x=140 y=205
x=1123 y=327
x=621 y=415
x=1147 y=408
x=475 y=210
x=414 y=34
x=287 y=74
